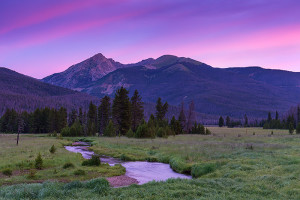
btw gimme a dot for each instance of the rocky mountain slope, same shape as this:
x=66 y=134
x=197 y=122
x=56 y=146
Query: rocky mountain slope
x=78 y=76
x=232 y=91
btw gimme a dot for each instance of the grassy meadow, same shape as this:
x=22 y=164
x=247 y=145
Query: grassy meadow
x=21 y=160
x=239 y=163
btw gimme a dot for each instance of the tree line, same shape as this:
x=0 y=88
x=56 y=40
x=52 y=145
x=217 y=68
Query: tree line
x=291 y=122
x=120 y=116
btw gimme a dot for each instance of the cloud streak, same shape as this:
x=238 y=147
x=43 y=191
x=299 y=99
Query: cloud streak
x=221 y=33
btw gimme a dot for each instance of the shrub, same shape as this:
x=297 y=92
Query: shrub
x=7 y=172
x=291 y=128
x=68 y=165
x=207 y=131
x=124 y=157
x=52 y=149
x=130 y=133
x=161 y=132
x=199 y=170
x=99 y=185
x=298 y=129
x=65 y=132
x=79 y=172
x=151 y=159
x=94 y=161
x=76 y=129
x=54 y=134
x=73 y=184
x=39 y=162
x=109 y=131
x=32 y=174
x=143 y=131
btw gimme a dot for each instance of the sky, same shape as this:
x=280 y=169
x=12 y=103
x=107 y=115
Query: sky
x=42 y=37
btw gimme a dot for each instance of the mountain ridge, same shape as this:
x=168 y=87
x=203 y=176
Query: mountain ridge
x=24 y=93
x=216 y=91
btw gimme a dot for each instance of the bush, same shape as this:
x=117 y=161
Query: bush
x=291 y=128
x=76 y=129
x=110 y=131
x=151 y=159
x=99 y=185
x=32 y=174
x=130 y=133
x=143 y=131
x=65 y=132
x=79 y=172
x=207 y=131
x=94 y=161
x=54 y=134
x=68 y=165
x=52 y=149
x=199 y=170
x=123 y=157
x=161 y=132
x=7 y=172
x=298 y=129
x=39 y=162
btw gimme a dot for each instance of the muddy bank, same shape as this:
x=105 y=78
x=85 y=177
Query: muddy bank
x=121 y=181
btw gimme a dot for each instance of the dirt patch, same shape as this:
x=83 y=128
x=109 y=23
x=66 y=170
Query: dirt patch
x=15 y=173
x=121 y=181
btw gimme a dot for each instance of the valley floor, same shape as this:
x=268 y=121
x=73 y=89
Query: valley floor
x=235 y=163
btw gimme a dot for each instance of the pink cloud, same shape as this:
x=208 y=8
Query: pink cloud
x=51 y=12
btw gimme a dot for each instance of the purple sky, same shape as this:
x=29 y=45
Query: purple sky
x=41 y=37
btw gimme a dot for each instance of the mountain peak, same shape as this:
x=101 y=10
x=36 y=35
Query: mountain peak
x=85 y=72
x=98 y=56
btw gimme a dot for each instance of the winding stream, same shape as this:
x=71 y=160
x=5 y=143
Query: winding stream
x=142 y=171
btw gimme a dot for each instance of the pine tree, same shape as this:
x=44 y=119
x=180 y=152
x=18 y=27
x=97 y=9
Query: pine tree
x=246 y=121
x=182 y=118
x=221 y=122
x=80 y=116
x=137 y=110
x=298 y=114
x=291 y=128
x=121 y=111
x=269 y=117
x=39 y=162
x=61 y=118
x=84 y=124
x=175 y=126
x=104 y=113
x=92 y=119
x=73 y=117
x=109 y=130
x=277 y=116
x=298 y=129
x=191 y=116
x=161 y=109
x=228 y=121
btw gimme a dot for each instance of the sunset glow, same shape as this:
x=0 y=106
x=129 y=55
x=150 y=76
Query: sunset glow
x=39 y=38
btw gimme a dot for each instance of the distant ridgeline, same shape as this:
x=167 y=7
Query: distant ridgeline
x=120 y=116
x=23 y=93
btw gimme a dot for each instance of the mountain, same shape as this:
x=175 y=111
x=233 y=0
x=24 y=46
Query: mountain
x=278 y=78
x=78 y=76
x=25 y=93
x=233 y=91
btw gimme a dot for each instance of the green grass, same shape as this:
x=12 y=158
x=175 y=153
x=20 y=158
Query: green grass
x=229 y=164
x=21 y=159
